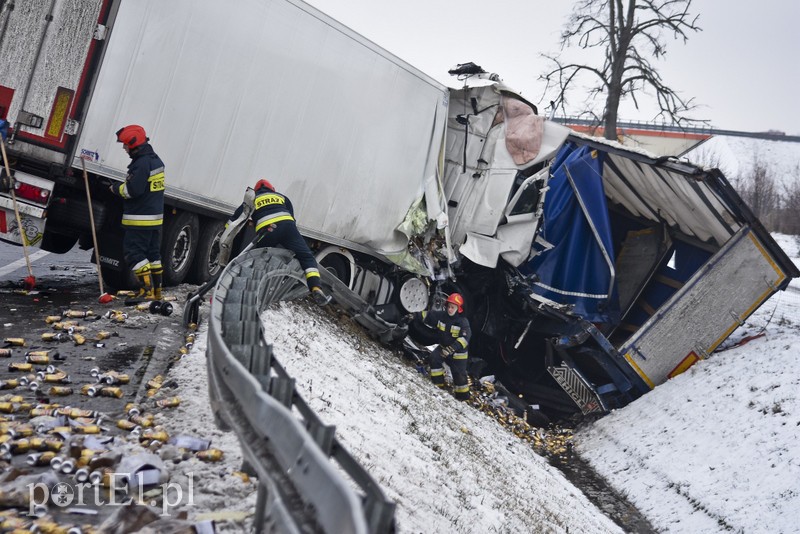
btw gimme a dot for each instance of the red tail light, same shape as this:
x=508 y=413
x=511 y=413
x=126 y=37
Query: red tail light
x=32 y=193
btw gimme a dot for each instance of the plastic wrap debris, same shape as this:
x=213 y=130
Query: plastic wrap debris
x=142 y=470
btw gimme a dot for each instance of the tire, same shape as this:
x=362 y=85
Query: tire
x=205 y=264
x=178 y=246
x=338 y=266
x=58 y=243
x=115 y=280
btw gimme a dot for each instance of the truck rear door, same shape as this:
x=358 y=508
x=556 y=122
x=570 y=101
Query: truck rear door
x=48 y=52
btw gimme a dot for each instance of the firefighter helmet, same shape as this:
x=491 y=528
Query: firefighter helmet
x=132 y=136
x=264 y=183
x=458 y=300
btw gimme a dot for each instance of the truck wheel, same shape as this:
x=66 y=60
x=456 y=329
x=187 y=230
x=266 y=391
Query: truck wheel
x=58 y=243
x=338 y=262
x=118 y=279
x=178 y=246
x=206 y=262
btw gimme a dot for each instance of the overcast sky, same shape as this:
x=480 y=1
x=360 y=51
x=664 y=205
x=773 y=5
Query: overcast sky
x=741 y=67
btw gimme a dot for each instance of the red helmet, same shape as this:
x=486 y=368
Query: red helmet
x=264 y=183
x=132 y=136
x=458 y=300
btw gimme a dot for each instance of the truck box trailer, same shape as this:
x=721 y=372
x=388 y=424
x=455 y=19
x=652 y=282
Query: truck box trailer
x=583 y=263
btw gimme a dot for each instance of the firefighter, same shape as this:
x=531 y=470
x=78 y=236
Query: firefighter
x=454 y=332
x=274 y=222
x=143 y=212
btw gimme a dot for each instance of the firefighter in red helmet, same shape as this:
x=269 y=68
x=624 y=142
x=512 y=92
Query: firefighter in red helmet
x=273 y=217
x=454 y=334
x=143 y=212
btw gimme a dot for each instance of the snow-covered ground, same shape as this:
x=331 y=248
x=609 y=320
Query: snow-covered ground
x=715 y=449
x=712 y=450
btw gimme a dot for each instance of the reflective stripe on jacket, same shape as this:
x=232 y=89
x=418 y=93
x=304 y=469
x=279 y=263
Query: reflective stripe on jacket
x=271 y=208
x=455 y=331
x=143 y=190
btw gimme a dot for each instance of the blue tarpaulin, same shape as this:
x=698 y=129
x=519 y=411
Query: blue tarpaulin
x=576 y=270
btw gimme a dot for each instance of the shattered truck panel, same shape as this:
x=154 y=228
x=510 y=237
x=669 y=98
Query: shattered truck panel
x=690 y=264
x=705 y=311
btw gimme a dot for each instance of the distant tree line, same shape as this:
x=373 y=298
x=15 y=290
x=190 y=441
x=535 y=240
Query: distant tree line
x=776 y=204
x=773 y=199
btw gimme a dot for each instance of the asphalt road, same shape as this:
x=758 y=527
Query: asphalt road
x=142 y=347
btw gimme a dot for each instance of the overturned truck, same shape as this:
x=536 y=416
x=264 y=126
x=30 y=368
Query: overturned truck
x=641 y=267
x=591 y=272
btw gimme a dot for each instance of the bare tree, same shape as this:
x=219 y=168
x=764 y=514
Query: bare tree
x=759 y=190
x=790 y=218
x=630 y=34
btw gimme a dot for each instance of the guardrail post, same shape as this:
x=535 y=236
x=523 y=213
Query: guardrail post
x=323 y=435
x=282 y=389
x=261 y=508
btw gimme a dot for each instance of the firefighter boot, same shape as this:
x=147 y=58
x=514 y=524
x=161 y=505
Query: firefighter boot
x=157 y=271
x=437 y=377
x=319 y=296
x=145 y=277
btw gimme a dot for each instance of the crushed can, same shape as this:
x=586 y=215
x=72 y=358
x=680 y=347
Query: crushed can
x=14 y=341
x=40 y=458
x=210 y=455
x=78 y=339
x=50 y=319
x=54 y=445
x=144 y=421
x=59 y=391
x=87 y=429
x=154 y=435
x=155 y=382
x=11 y=383
x=77 y=314
x=126 y=424
x=6 y=353
x=102 y=477
x=39 y=359
x=58 y=377
x=170 y=402
x=54 y=336
x=20 y=367
x=132 y=409
x=113 y=377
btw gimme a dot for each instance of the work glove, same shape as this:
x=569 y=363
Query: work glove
x=406 y=319
x=447 y=351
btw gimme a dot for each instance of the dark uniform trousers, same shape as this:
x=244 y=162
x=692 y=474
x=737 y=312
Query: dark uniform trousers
x=285 y=233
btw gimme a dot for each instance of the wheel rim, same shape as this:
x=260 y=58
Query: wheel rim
x=213 y=255
x=180 y=253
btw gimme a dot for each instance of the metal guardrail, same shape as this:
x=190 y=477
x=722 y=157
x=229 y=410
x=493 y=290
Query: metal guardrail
x=282 y=439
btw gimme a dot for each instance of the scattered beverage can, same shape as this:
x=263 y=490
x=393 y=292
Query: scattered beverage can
x=59 y=391
x=170 y=402
x=210 y=455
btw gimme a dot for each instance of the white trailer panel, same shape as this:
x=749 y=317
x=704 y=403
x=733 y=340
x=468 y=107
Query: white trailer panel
x=230 y=93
